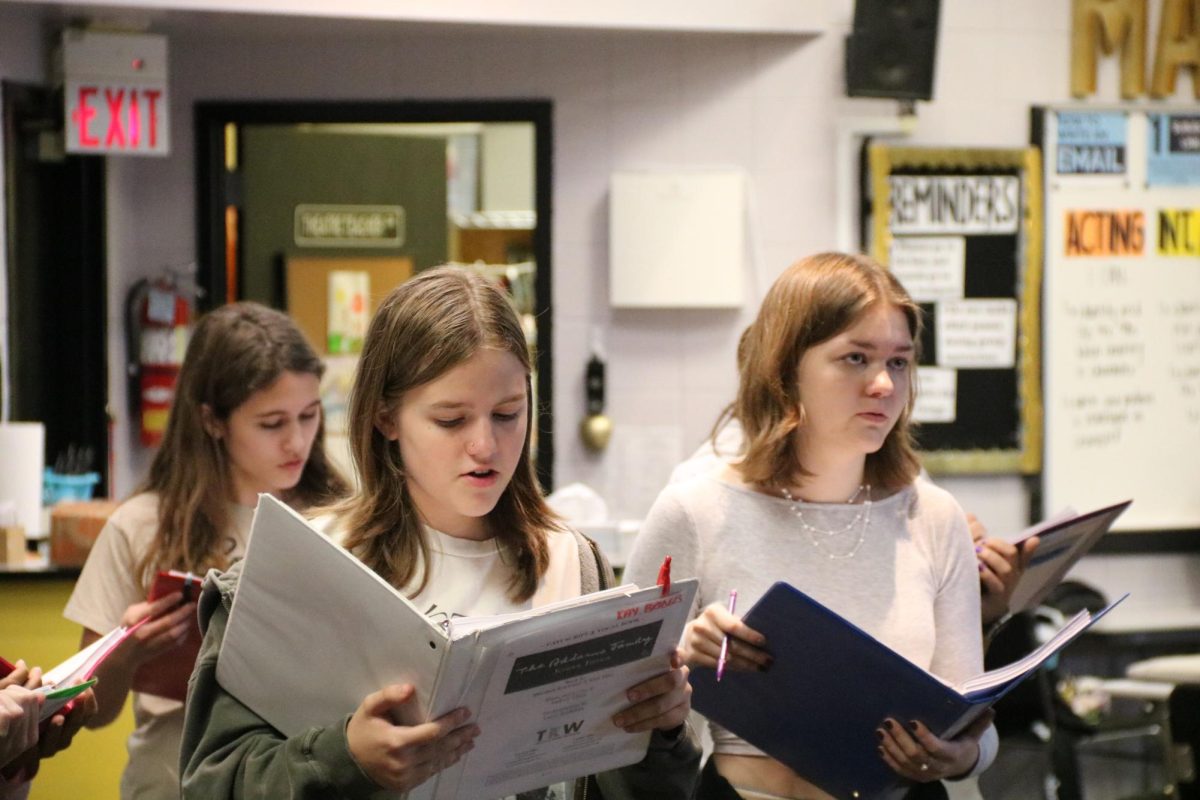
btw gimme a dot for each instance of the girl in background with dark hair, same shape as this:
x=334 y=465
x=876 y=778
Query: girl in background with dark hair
x=246 y=419
x=448 y=510
x=823 y=495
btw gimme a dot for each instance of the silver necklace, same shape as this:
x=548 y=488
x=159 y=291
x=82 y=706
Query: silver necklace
x=821 y=537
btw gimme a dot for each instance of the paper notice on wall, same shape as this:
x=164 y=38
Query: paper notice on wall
x=335 y=391
x=1104 y=233
x=348 y=314
x=930 y=267
x=937 y=395
x=1091 y=143
x=1178 y=232
x=979 y=334
x=1173 y=154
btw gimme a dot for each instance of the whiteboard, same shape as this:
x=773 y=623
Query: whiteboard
x=1121 y=312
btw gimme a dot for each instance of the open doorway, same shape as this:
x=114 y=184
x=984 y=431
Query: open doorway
x=56 y=285
x=300 y=204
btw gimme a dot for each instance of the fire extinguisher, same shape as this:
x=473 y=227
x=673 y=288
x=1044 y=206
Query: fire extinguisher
x=158 y=319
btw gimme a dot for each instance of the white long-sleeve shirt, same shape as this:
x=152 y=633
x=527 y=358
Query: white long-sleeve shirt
x=912 y=583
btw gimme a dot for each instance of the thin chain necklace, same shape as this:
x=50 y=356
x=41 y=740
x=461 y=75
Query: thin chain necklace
x=820 y=537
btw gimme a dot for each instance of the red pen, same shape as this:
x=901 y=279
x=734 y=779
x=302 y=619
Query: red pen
x=664 y=576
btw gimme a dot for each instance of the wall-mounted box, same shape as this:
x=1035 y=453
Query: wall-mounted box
x=115 y=93
x=677 y=239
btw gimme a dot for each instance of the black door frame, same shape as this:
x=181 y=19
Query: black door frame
x=215 y=190
x=56 y=281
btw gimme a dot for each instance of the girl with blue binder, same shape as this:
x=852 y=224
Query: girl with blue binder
x=824 y=496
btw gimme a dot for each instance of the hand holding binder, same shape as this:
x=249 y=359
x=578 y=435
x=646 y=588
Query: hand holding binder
x=543 y=685
x=167 y=673
x=717 y=630
x=1063 y=540
x=18 y=722
x=832 y=685
x=913 y=751
x=404 y=762
x=66 y=681
x=35 y=705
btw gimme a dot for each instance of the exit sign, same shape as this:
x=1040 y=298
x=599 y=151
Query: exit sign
x=115 y=93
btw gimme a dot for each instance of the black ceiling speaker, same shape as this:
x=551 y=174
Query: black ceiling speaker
x=892 y=49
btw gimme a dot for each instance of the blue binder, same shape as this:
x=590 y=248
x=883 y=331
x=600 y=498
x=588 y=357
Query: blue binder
x=830 y=687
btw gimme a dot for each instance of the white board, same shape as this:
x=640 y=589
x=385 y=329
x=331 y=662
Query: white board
x=1121 y=314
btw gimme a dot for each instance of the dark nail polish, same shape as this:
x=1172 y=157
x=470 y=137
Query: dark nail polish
x=891 y=726
x=879 y=734
x=912 y=724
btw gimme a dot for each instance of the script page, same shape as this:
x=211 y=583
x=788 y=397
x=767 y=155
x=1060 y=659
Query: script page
x=555 y=683
x=1058 y=551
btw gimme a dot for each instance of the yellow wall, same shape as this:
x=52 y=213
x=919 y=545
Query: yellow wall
x=32 y=627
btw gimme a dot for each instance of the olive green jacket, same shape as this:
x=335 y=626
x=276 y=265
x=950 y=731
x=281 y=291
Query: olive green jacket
x=229 y=751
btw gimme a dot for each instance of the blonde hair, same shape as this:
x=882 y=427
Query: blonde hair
x=814 y=300
x=235 y=351
x=426 y=327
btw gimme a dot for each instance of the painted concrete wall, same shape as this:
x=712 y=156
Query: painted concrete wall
x=771 y=106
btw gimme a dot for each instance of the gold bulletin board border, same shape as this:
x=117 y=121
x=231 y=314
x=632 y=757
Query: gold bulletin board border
x=883 y=159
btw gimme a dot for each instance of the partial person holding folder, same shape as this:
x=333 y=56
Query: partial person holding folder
x=825 y=496
x=246 y=419
x=38 y=718
x=843 y=681
x=449 y=515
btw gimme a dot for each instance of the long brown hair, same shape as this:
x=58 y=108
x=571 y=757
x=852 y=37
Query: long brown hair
x=812 y=301
x=235 y=351
x=426 y=327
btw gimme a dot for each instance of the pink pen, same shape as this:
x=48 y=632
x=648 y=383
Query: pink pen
x=725 y=638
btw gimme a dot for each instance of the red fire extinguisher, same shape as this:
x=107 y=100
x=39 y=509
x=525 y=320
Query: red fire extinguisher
x=158 y=314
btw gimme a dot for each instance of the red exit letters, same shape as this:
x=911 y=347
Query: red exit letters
x=115 y=119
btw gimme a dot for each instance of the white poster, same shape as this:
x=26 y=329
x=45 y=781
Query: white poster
x=978 y=334
x=937 y=395
x=1121 y=321
x=930 y=267
x=349 y=310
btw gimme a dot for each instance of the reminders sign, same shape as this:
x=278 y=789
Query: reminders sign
x=1091 y=143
